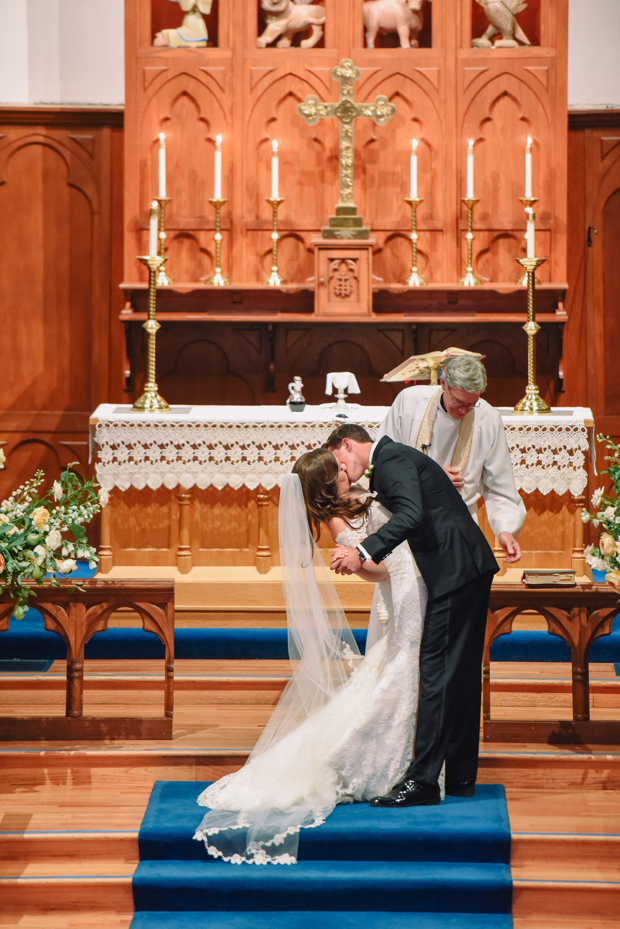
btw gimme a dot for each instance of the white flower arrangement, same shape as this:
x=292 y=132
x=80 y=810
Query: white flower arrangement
x=606 y=555
x=44 y=535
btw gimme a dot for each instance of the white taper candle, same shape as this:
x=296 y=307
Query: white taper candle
x=531 y=234
x=274 y=169
x=162 y=164
x=413 y=181
x=153 y=223
x=217 y=185
x=470 y=169
x=528 y=167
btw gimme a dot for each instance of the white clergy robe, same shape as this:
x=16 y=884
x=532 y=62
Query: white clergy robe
x=488 y=473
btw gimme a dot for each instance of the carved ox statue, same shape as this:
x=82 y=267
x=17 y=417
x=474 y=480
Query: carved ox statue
x=401 y=16
x=285 y=18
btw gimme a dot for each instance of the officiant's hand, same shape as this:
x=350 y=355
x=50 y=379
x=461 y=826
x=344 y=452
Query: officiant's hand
x=345 y=561
x=456 y=477
x=511 y=547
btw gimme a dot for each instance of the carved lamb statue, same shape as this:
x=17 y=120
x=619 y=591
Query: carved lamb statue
x=501 y=15
x=193 y=32
x=285 y=18
x=401 y=16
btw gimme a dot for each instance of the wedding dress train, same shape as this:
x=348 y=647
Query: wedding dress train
x=343 y=730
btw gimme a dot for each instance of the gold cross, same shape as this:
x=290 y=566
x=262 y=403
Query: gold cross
x=346 y=223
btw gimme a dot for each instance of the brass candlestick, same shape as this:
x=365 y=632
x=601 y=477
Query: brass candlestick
x=532 y=402
x=217 y=277
x=469 y=279
x=163 y=280
x=528 y=203
x=150 y=401
x=274 y=279
x=414 y=279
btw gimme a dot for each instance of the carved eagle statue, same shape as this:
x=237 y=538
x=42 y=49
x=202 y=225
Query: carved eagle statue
x=501 y=15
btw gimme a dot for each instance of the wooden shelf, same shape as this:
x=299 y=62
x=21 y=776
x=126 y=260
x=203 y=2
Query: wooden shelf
x=411 y=317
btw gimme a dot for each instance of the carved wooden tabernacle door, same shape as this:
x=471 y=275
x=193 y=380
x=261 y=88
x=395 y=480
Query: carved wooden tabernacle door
x=343 y=277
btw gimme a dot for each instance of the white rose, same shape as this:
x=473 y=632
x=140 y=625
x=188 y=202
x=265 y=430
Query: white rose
x=609 y=512
x=67 y=566
x=58 y=491
x=597 y=496
x=585 y=516
x=54 y=539
x=104 y=496
x=598 y=564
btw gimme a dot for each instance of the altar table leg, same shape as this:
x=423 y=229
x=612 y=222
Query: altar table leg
x=578 y=562
x=184 y=551
x=106 y=558
x=263 y=553
x=499 y=553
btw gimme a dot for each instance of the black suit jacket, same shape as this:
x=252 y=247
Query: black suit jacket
x=429 y=513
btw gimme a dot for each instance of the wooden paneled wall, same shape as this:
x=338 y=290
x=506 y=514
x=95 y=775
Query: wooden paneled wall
x=61 y=196
x=444 y=93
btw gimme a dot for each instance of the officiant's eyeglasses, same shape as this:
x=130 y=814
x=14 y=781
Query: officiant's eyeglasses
x=460 y=404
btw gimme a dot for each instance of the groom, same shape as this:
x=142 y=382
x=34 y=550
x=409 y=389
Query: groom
x=457 y=565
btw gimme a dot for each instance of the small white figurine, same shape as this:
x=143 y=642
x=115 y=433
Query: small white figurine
x=501 y=15
x=402 y=16
x=296 y=401
x=285 y=18
x=192 y=33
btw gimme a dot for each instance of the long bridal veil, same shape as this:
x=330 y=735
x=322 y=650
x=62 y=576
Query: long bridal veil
x=256 y=814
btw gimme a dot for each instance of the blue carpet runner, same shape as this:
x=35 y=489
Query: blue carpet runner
x=27 y=638
x=421 y=868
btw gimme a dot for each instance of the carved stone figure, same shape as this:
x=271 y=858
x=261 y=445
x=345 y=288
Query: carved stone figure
x=501 y=15
x=193 y=31
x=285 y=18
x=402 y=16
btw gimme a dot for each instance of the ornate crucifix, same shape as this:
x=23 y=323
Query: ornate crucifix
x=346 y=224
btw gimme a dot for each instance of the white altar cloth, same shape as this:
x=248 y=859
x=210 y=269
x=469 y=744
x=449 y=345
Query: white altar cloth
x=239 y=446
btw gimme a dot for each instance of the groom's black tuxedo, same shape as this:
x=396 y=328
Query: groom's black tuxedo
x=429 y=513
x=457 y=565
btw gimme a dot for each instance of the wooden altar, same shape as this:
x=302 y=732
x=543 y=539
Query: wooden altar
x=198 y=487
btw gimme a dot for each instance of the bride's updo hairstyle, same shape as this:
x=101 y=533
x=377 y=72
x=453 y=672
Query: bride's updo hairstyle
x=318 y=475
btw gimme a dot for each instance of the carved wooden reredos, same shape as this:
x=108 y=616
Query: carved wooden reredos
x=445 y=92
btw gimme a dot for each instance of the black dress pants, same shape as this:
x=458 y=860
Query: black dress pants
x=448 y=724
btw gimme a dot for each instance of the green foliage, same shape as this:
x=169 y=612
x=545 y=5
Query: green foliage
x=44 y=534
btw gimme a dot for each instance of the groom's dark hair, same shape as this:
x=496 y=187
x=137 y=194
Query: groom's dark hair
x=347 y=431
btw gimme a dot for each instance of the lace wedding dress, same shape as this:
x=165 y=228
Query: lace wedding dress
x=341 y=737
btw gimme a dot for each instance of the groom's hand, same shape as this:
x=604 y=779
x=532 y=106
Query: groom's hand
x=512 y=549
x=345 y=561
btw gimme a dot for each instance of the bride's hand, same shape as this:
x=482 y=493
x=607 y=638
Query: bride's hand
x=345 y=561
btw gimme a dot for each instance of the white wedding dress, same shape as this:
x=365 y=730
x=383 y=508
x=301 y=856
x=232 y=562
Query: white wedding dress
x=347 y=745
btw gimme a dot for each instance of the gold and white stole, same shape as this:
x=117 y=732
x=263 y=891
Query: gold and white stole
x=463 y=443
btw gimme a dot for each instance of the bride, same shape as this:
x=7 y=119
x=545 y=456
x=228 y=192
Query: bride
x=343 y=729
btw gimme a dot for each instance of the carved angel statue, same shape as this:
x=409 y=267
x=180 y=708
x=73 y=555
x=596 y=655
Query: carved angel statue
x=193 y=31
x=501 y=15
x=402 y=16
x=285 y=18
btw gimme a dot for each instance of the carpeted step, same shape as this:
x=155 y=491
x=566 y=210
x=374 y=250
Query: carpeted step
x=459 y=830
x=325 y=919
x=421 y=886
x=28 y=639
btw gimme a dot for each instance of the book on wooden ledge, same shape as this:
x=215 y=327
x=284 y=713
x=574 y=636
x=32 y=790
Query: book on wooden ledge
x=549 y=577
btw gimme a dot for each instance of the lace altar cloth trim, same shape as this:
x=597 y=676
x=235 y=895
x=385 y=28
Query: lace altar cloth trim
x=256 y=446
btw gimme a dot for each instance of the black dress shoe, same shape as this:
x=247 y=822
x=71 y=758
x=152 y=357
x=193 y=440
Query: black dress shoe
x=409 y=793
x=461 y=788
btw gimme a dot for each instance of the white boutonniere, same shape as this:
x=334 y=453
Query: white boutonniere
x=369 y=470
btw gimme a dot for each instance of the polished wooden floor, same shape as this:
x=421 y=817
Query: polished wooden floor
x=70 y=813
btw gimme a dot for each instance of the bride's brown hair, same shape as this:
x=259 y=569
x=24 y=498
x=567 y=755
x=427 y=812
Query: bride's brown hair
x=318 y=474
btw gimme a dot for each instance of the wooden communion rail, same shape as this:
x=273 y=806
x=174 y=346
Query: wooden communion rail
x=76 y=616
x=578 y=615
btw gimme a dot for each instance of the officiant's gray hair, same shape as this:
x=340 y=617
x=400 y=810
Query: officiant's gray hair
x=465 y=373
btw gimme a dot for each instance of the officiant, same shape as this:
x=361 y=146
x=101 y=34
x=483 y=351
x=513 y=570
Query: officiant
x=465 y=435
